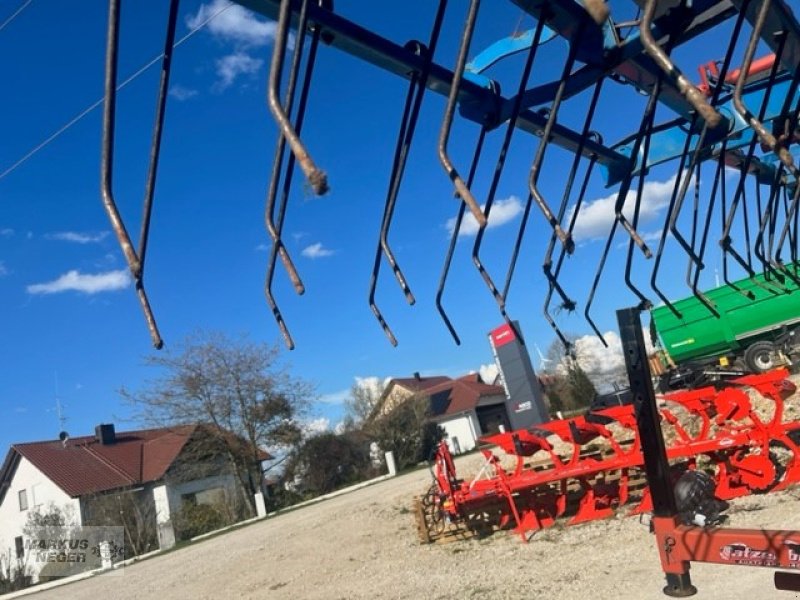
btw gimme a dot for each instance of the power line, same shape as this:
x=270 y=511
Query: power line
x=16 y=13
x=99 y=102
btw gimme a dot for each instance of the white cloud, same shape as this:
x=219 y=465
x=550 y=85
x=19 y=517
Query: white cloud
x=335 y=397
x=7 y=232
x=78 y=237
x=262 y=247
x=230 y=67
x=594 y=357
x=315 y=426
x=82 y=282
x=316 y=251
x=502 y=212
x=181 y=93
x=489 y=372
x=233 y=23
x=595 y=218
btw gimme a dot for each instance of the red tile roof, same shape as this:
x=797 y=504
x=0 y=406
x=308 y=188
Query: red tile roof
x=83 y=465
x=458 y=395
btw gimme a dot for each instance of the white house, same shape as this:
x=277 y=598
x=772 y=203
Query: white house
x=152 y=473
x=466 y=408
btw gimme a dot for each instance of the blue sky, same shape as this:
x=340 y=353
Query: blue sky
x=70 y=321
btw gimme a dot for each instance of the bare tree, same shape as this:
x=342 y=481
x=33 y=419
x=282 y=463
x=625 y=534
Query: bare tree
x=362 y=402
x=237 y=387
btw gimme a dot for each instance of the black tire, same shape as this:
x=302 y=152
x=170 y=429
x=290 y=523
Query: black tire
x=760 y=357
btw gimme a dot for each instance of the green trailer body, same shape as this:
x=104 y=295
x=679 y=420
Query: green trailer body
x=698 y=334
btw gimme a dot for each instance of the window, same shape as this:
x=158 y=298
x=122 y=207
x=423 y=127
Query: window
x=19 y=546
x=23 y=500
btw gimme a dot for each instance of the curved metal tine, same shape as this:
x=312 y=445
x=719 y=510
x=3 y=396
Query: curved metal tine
x=408 y=123
x=647 y=120
x=764 y=214
x=674 y=207
x=107 y=168
x=462 y=189
x=394 y=185
x=501 y=160
x=676 y=203
x=275 y=229
x=694 y=96
x=725 y=248
x=766 y=137
x=316 y=177
x=158 y=127
x=567 y=303
x=552 y=278
x=790 y=217
x=755 y=122
x=644 y=302
x=717 y=187
x=454 y=237
x=533 y=178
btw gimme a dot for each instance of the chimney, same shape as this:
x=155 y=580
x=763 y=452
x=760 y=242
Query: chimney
x=104 y=433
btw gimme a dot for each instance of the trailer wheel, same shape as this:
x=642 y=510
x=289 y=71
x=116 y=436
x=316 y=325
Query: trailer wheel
x=760 y=357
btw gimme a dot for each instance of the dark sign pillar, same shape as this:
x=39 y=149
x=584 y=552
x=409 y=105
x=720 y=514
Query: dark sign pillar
x=524 y=398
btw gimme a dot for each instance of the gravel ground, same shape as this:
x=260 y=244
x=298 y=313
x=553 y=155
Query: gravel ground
x=364 y=545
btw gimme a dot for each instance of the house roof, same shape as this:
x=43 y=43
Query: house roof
x=418 y=384
x=83 y=465
x=458 y=395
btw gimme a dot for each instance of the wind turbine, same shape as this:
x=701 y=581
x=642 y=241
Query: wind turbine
x=542 y=360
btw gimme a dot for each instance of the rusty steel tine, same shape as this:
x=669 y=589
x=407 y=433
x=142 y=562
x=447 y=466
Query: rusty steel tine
x=766 y=137
x=454 y=237
x=790 y=217
x=647 y=121
x=401 y=152
x=676 y=204
x=416 y=91
x=724 y=214
x=501 y=159
x=533 y=177
x=674 y=207
x=547 y=264
x=316 y=177
x=567 y=303
x=155 y=147
x=694 y=96
x=276 y=229
x=755 y=122
x=462 y=189
x=644 y=302
x=719 y=178
x=107 y=169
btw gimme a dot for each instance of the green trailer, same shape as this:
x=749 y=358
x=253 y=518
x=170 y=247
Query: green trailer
x=753 y=333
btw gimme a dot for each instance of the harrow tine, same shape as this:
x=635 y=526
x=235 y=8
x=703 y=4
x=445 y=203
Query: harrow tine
x=645 y=131
x=533 y=178
x=408 y=123
x=644 y=302
x=766 y=137
x=682 y=186
x=155 y=146
x=694 y=96
x=499 y=166
x=275 y=228
x=454 y=237
x=717 y=186
x=316 y=177
x=462 y=189
x=135 y=260
x=755 y=123
x=552 y=277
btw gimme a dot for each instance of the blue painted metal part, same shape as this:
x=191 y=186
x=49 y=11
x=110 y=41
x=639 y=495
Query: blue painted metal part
x=507 y=47
x=668 y=142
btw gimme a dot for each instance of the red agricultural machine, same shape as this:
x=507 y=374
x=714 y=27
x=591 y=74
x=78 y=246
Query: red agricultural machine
x=592 y=467
x=586 y=72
